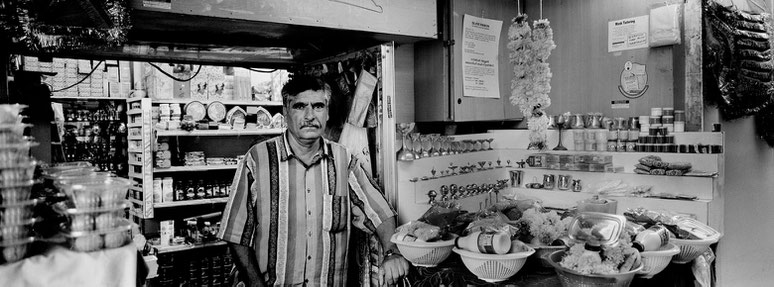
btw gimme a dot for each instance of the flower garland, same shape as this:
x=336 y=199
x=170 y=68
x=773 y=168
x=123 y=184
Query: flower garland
x=530 y=48
x=20 y=25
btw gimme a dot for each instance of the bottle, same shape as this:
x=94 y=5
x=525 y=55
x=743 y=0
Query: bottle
x=651 y=239
x=485 y=242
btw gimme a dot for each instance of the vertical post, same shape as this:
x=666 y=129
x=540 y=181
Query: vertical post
x=694 y=93
x=4 y=67
x=387 y=149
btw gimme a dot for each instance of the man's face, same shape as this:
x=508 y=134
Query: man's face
x=306 y=115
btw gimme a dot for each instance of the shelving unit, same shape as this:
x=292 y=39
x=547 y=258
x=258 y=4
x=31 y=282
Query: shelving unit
x=87 y=99
x=225 y=102
x=214 y=133
x=190 y=202
x=194 y=168
x=708 y=207
x=185 y=247
x=140 y=158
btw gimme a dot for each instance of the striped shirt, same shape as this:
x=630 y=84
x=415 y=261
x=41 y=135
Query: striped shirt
x=296 y=217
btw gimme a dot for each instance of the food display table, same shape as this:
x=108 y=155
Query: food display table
x=452 y=272
x=59 y=266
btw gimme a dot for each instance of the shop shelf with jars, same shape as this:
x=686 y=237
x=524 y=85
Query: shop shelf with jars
x=191 y=202
x=698 y=192
x=194 y=168
x=93 y=131
x=214 y=133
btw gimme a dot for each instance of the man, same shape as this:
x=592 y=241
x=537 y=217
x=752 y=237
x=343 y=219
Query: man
x=295 y=198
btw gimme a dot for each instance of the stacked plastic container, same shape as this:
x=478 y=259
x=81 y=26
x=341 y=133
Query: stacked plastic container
x=16 y=171
x=93 y=210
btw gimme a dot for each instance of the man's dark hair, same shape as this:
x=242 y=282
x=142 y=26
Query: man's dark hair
x=300 y=83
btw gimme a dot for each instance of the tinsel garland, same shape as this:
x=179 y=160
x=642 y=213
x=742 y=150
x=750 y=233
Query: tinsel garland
x=20 y=25
x=530 y=48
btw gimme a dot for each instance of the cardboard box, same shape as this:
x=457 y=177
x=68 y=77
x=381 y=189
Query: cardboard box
x=167 y=189
x=167 y=232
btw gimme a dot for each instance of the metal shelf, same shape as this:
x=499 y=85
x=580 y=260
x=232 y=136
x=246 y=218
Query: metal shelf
x=225 y=102
x=255 y=132
x=87 y=98
x=190 y=202
x=183 y=247
x=194 y=168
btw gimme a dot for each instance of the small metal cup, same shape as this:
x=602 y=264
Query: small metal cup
x=517 y=176
x=564 y=181
x=548 y=181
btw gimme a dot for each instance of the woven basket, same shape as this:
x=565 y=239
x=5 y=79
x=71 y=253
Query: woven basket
x=424 y=254
x=570 y=278
x=691 y=248
x=653 y=262
x=493 y=267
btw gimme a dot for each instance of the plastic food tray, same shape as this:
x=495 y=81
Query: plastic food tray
x=11 y=113
x=13 y=133
x=15 y=193
x=105 y=218
x=16 y=156
x=17 y=213
x=88 y=241
x=12 y=176
x=96 y=191
x=19 y=231
x=13 y=251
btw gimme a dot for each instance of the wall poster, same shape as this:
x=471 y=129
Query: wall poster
x=480 y=47
x=627 y=34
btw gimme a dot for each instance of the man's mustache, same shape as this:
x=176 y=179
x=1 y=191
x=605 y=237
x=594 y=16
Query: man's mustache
x=310 y=125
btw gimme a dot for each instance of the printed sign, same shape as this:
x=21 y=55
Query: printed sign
x=627 y=34
x=480 y=46
x=634 y=80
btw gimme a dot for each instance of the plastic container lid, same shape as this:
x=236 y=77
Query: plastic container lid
x=597 y=228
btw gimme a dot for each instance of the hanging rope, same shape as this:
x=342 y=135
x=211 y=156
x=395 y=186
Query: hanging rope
x=518 y=6
x=541 y=9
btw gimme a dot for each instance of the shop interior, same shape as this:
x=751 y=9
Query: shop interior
x=561 y=127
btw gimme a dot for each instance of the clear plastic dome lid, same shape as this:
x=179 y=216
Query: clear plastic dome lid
x=596 y=228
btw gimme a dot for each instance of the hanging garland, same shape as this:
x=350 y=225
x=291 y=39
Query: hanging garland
x=20 y=25
x=530 y=48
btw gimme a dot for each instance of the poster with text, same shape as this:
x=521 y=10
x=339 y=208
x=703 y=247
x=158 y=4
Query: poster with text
x=627 y=34
x=480 y=46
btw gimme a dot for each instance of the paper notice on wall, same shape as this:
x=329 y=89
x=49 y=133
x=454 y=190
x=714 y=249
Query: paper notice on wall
x=480 y=47
x=627 y=34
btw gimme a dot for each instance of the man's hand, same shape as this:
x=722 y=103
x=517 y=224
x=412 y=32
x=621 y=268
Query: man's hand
x=392 y=270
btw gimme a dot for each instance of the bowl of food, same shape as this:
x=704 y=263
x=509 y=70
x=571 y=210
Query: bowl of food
x=14 y=193
x=691 y=248
x=422 y=253
x=88 y=241
x=653 y=262
x=495 y=267
x=572 y=278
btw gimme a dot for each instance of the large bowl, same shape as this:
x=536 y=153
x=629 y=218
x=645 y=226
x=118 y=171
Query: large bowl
x=424 y=254
x=655 y=261
x=542 y=252
x=691 y=248
x=494 y=267
x=571 y=278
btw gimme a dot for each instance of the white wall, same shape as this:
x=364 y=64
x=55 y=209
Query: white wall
x=745 y=253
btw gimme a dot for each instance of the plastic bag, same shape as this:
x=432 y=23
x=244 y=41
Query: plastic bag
x=665 y=25
x=443 y=214
x=491 y=222
x=355 y=139
x=418 y=231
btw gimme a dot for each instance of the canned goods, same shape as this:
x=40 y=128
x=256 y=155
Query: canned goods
x=631 y=146
x=667 y=120
x=591 y=146
x=611 y=145
x=634 y=122
x=668 y=112
x=623 y=135
x=669 y=139
x=548 y=181
x=612 y=134
x=601 y=135
x=679 y=115
x=655 y=120
x=620 y=146
x=656 y=112
x=653 y=131
x=602 y=145
x=679 y=127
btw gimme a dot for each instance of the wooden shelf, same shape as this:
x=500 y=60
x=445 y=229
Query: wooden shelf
x=87 y=98
x=194 y=168
x=220 y=132
x=183 y=247
x=190 y=202
x=225 y=102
